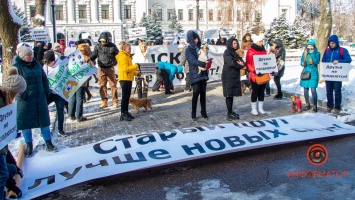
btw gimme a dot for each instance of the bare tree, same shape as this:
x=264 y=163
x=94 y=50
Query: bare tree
x=9 y=32
x=40 y=10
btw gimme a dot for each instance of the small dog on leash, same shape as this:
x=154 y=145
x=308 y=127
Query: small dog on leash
x=246 y=84
x=296 y=104
x=139 y=103
x=203 y=57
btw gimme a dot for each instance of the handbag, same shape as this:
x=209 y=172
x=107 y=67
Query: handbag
x=262 y=78
x=305 y=75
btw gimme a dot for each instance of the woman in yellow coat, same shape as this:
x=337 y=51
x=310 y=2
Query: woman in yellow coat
x=126 y=73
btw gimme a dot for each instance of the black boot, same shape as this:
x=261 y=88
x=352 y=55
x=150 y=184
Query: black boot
x=130 y=115
x=230 y=117
x=278 y=96
x=267 y=94
x=127 y=118
x=235 y=115
x=307 y=107
x=315 y=109
x=122 y=117
x=29 y=149
x=50 y=146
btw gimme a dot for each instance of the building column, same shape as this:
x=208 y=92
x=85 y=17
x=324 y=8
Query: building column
x=71 y=12
x=48 y=15
x=94 y=11
x=117 y=11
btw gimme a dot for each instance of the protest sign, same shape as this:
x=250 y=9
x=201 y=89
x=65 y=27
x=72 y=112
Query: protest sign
x=265 y=64
x=211 y=33
x=170 y=35
x=226 y=32
x=40 y=34
x=8 y=124
x=338 y=72
x=134 y=33
x=69 y=74
x=148 y=68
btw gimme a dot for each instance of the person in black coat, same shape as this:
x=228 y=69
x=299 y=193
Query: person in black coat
x=233 y=63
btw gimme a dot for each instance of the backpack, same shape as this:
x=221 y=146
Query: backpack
x=341 y=50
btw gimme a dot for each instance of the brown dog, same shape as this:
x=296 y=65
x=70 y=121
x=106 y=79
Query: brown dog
x=143 y=102
x=296 y=103
x=246 y=84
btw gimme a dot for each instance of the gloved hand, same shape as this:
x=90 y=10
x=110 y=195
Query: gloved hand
x=208 y=64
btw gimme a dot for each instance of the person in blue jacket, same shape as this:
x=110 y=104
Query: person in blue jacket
x=334 y=54
x=198 y=80
x=166 y=73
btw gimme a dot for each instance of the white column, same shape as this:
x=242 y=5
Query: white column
x=71 y=12
x=48 y=15
x=117 y=11
x=94 y=11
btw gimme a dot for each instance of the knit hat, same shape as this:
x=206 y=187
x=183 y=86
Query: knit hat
x=312 y=42
x=23 y=50
x=257 y=38
x=14 y=82
x=56 y=45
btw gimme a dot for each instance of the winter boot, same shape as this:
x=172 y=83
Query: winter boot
x=130 y=115
x=50 y=146
x=235 y=115
x=260 y=107
x=29 y=149
x=127 y=118
x=267 y=94
x=307 y=107
x=122 y=117
x=315 y=109
x=278 y=96
x=104 y=104
x=253 y=109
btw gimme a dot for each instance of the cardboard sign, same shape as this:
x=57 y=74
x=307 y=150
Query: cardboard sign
x=69 y=74
x=40 y=34
x=338 y=72
x=8 y=124
x=134 y=33
x=265 y=64
x=170 y=35
x=227 y=32
x=148 y=68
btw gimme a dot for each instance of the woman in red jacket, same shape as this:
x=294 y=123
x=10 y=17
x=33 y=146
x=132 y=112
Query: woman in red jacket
x=257 y=94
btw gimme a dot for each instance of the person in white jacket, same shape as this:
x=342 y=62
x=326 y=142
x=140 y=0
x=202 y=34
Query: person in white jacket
x=142 y=55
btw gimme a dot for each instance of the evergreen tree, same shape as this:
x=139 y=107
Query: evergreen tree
x=153 y=28
x=302 y=32
x=175 y=24
x=134 y=25
x=281 y=29
x=25 y=33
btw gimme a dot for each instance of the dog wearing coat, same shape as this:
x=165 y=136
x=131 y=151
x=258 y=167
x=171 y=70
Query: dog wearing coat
x=203 y=57
x=296 y=104
x=141 y=103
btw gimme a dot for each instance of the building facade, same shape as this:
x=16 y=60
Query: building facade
x=79 y=19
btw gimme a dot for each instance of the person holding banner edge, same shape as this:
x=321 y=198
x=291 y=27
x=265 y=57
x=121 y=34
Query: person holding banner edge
x=334 y=54
x=32 y=109
x=309 y=61
x=13 y=85
x=257 y=94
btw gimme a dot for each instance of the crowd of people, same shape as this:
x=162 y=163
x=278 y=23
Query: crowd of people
x=27 y=81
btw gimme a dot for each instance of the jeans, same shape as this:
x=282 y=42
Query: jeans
x=277 y=80
x=59 y=104
x=336 y=87
x=27 y=134
x=4 y=174
x=76 y=104
x=314 y=95
x=162 y=76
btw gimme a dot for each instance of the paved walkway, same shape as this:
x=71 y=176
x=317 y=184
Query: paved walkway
x=169 y=112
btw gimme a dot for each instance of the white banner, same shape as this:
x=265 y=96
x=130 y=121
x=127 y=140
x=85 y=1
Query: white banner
x=338 y=72
x=69 y=74
x=134 y=33
x=8 y=124
x=265 y=64
x=46 y=172
x=40 y=34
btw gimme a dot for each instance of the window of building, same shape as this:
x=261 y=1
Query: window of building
x=191 y=14
x=105 y=12
x=230 y=15
x=257 y=16
x=170 y=13
x=200 y=14
x=82 y=11
x=59 y=12
x=127 y=12
x=159 y=13
x=32 y=11
x=239 y=14
x=180 y=14
x=210 y=15
x=246 y=16
x=219 y=15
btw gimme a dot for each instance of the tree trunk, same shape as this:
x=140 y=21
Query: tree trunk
x=40 y=11
x=9 y=33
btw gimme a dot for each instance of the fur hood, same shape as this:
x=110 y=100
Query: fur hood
x=190 y=39
x=229 y=43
